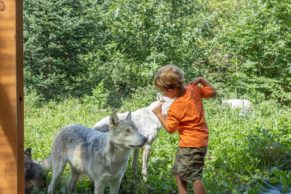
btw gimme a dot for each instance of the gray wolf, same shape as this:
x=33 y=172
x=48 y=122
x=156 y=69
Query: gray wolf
x=103 y=157
x=244 y=106
x=34 y=175
x=147 y=124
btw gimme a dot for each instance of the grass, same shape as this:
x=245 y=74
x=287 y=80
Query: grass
x=245 y=154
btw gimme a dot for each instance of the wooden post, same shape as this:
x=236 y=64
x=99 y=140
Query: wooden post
x=11 y=97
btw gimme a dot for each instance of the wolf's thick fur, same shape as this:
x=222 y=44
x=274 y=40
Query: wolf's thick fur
x=101 y=156
x=244 y=106
x=147 y=124
x=34 y=174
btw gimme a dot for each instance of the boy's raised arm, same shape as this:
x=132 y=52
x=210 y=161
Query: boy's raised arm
x=209 y=91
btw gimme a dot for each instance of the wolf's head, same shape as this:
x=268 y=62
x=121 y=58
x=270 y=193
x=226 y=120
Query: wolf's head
x=166 y=102
x=124 y=132
x=34 y=173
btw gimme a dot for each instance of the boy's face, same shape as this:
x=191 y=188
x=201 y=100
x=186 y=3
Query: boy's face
x=171 y=93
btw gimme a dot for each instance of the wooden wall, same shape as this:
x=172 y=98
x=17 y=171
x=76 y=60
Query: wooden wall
x=11 y=97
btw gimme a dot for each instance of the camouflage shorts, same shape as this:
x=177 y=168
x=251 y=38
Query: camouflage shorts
x=189 y=163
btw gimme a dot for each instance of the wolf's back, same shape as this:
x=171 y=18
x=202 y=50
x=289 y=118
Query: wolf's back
x=72 y=136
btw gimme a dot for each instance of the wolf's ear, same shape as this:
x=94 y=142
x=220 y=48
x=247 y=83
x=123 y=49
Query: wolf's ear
x=128 y=117
x=27 y=152
x=159 y=97
x=113 y=119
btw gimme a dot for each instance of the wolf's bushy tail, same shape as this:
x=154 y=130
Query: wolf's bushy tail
x=47 y=163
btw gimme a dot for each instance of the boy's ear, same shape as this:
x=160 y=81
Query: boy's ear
x=113 y=119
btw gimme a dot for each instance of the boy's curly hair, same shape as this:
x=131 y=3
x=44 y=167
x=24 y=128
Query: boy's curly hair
x=169 y=77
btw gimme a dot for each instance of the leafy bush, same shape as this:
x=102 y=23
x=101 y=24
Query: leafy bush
x=72 y=46
x=277 y=182
x=141 y=97
x=98 y=98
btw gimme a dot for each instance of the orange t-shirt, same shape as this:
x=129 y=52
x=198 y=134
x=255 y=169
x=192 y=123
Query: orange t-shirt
x=186 y=115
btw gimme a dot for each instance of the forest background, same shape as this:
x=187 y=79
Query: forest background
x=82 y=59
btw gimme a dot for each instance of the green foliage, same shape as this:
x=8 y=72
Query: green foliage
x=99 y=96
x=278 y=181
x=141 y=97
x=71 y=46
x=243 y=149
x=56 y=36
x=251 y=48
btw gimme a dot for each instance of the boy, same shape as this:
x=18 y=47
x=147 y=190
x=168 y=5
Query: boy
x=185 y=115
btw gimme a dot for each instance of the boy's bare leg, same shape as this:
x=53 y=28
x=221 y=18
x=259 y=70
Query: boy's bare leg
x=198 y=187
x=182 y=185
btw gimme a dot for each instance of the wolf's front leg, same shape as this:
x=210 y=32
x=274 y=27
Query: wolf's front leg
x=115 y=184
x=135 y=161
x=98 y=187
x=145 y=158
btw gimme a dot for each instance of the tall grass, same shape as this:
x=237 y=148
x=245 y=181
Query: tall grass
x=245 y=154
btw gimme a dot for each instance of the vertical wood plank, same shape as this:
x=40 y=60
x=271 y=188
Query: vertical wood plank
x=11 y=97
x=19 y=96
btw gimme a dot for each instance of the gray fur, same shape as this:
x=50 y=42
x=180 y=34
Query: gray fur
x=34 y=174
x=147 y=124
x=244 y=106
x=103 y=157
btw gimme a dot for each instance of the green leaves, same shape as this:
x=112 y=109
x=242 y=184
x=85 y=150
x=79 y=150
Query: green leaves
x=57 y=34
x=278 y=182
x=253 y=36
x=71 y=46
